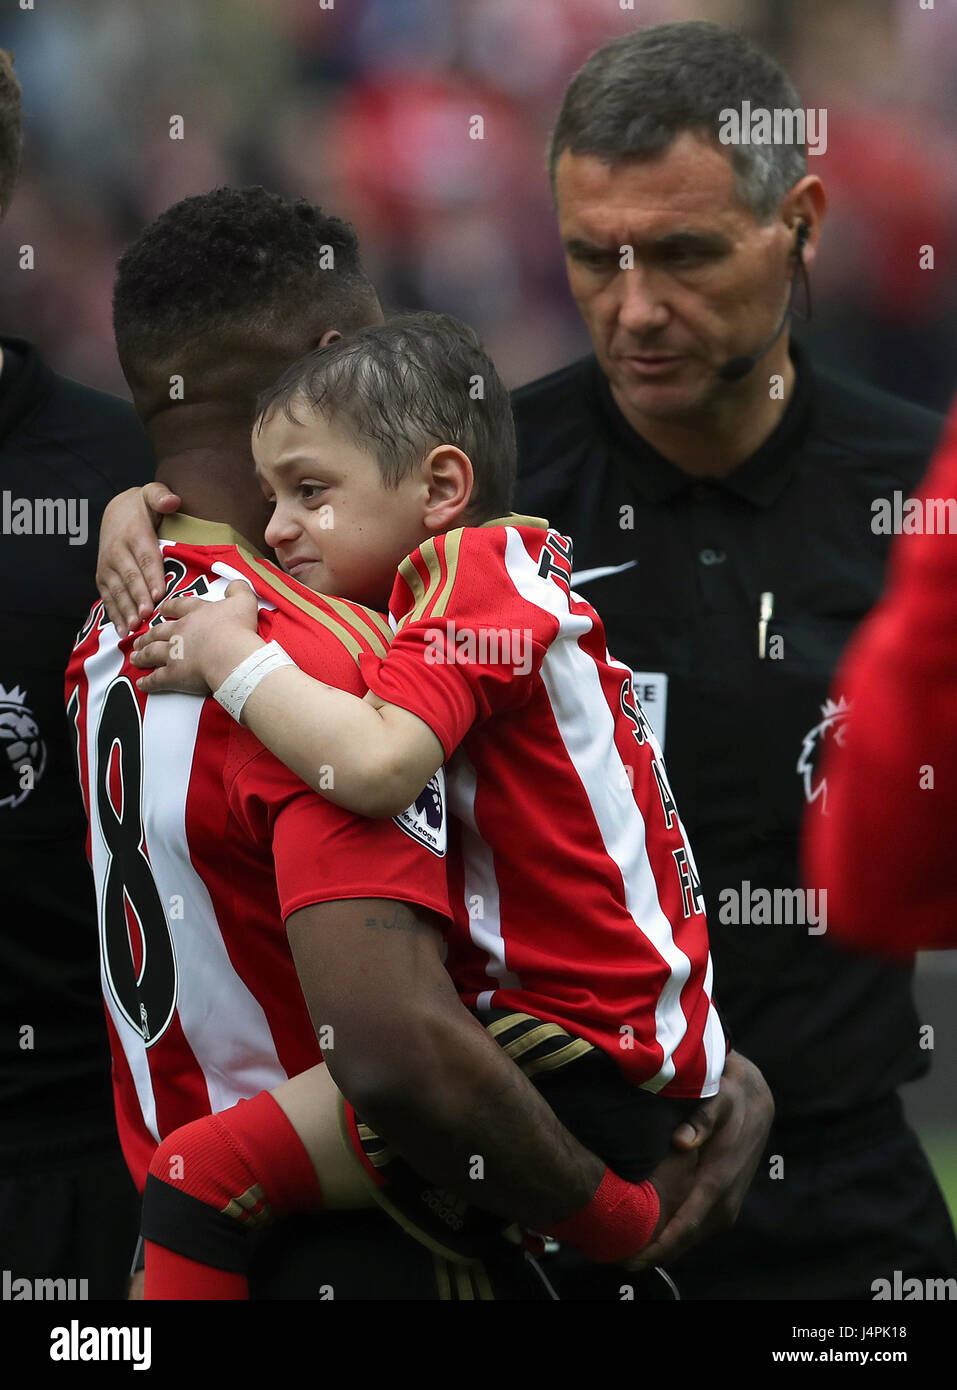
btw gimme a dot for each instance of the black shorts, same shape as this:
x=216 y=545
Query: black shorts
x=629 y=1129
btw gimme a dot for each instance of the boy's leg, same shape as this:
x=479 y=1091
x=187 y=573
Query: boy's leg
x=310 y=1102
x=628 y=1128
x=214 y=1182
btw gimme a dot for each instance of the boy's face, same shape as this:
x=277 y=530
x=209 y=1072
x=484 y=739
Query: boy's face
x=335 y=526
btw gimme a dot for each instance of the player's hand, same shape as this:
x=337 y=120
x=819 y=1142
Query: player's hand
x=135 y=1291
x=199 y=643
x=129 y=565
x=673 y=1180
x=730 y=1132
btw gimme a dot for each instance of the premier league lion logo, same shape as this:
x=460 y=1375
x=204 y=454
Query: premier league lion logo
x=832 y=726
x=24 y=752
x=425 y=818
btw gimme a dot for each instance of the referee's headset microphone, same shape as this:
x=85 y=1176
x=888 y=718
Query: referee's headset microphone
x=738 y=367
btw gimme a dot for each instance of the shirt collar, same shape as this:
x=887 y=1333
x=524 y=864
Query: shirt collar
x=759 y=479
x=194 y=530
x=535 y=523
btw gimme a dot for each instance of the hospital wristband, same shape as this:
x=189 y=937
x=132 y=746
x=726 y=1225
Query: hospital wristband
x=240 y=683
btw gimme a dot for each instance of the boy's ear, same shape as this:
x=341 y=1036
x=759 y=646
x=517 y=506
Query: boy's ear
x=450 y=480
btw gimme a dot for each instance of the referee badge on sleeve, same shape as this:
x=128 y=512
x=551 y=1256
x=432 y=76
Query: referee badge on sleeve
x=425 y=819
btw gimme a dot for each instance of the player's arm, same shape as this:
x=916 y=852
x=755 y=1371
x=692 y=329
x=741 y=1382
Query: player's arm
x=129 y=563
x=380 y=756
x=422 y=1071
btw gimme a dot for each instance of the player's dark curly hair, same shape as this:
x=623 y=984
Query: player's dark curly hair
x=11 y=130
x=405 y=386
x=216 y=274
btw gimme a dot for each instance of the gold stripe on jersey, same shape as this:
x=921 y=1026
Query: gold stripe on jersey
x=463 y=1285
x=483 y=1284
x=453 y=543
x=348 y=638
x=192 y=530
x=348 y=611
x=422 y=593
x=412 y=577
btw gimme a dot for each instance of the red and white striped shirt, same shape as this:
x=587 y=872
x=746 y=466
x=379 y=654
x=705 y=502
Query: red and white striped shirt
x=574 y=890
x=201 y=843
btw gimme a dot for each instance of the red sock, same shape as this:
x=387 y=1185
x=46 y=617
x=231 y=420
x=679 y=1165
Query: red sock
x=169 y=1275
x=249 y=1166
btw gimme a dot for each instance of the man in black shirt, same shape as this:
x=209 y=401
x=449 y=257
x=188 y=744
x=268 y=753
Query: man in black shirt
x=719 y=492
x=68 y=1209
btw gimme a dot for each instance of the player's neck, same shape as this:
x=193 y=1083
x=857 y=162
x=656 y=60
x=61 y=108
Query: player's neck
x=210 y=489
x=211 y=468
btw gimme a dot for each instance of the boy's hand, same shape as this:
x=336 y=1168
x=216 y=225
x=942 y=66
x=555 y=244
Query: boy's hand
x=129 y=566
x=199 y=643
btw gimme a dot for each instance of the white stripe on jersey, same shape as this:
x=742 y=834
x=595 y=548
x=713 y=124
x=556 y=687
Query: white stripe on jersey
x=479 y=877
x=715 y=1043
x=221 y=1020
x=223 y=1023
x=101 y=669
x=586 y=726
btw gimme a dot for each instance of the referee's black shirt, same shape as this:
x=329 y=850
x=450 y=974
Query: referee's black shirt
x=742 y=734
x=58 y=440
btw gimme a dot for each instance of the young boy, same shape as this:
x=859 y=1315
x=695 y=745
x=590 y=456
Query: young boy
x=579 y=936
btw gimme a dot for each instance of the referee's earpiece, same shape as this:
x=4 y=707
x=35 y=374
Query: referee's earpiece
x=736 y=368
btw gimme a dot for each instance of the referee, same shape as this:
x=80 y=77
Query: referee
x=68 y=1209
x=719 y=489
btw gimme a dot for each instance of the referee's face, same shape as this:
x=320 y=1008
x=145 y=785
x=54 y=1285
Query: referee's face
x=672 y=274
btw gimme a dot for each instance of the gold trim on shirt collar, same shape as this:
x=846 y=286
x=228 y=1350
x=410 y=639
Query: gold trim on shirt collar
x=516 y=519
x=195 y=530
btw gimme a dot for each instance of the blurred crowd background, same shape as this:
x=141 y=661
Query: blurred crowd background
x=363 y=107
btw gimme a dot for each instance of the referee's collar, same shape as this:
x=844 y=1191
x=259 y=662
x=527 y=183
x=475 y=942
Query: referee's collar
x=760 y=479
